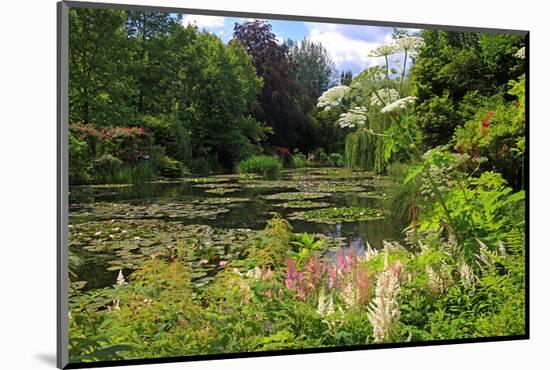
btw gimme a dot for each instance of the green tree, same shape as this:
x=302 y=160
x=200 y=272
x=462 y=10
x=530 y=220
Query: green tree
x=99 y=85
x=314 y=69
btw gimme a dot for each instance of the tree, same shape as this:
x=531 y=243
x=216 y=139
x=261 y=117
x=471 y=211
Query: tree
x=282 y=104
x=149 y=32
x=454 y=65
x=313 y=67
x=346 y=77
x=99 y=84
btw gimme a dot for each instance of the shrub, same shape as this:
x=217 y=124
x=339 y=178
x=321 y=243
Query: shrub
x=261 y=164
x=171 y=134
x=336 y=159
x=169 y=167
x=299 y=160
x=105 y=168
x=79 y=157
x=285 y=155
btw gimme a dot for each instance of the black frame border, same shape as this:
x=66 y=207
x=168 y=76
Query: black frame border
x=62 y=184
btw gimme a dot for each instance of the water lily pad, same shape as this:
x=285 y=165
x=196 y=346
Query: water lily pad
x=302 y=195
x=336 y=215
x=158 y=209
x=303 y=204
x=372 y=194
x=221 y=191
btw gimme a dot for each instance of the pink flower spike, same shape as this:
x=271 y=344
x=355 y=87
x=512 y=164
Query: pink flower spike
x=223 y=263
x=204 y=261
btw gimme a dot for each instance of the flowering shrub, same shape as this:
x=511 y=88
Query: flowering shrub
x=130 y=144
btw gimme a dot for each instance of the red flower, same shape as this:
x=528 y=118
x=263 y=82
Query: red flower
x=485 y=121
x=504 y=148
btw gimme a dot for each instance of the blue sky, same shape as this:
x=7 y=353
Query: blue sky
x=348 y=45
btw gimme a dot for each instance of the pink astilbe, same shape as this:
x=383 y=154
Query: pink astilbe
x=291 y=273
x=362 y=284
x=313 y=270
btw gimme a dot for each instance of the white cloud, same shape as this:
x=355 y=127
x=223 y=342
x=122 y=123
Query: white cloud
x=203 y=21
x=346 y=52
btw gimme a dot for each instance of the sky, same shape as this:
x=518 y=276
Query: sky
x=348 y=45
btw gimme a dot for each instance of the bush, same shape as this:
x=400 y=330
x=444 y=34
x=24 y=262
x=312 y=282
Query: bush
x=169 y=167
x=299 y=160
x=336 y=159
x=78 y=159
x=105 y=168
x=171 y=134
x=264 y=165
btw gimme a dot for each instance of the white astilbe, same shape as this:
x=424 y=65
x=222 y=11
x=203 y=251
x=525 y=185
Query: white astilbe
x=349 y=295
x=400 y=104
x=355 y=117
x=485 y=258
x=370 y=253
x=467 y=276
x=384 y=313
x=255 y=273
x=383 y=50
x=332 y=97
x=120 y=278
x=325 y=305
x=387 y=96
x=410 y=44
x=521 y=53
x=435 y=285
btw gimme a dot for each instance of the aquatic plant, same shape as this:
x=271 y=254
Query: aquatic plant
x=337 y=215
x=264 y=165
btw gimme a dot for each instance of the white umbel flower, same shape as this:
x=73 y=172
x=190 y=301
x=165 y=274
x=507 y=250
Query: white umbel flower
x=384 y=313
x=410 y=44
x=383 y=50
x=387 y=96
x=521 y=53
x=400 y=104
x=355 y=117
x=332 y=97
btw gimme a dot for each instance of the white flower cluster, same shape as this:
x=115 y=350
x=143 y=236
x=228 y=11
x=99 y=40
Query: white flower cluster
x=349 y=295
x=120 y=278
x=383 y=50
x=353 y=118
x=325 y=305
x=384 y=312
x=467 y=276
x=332 y=97
x=410 y=44
x=400 y=104
x=521 y=53
x=370 y=253
x=387 y=96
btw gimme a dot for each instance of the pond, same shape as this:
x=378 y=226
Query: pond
x=114 y=227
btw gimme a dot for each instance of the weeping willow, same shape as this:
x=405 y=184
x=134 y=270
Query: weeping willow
x=365 y=150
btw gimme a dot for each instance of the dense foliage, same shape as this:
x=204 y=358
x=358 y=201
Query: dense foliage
x=433 y=138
